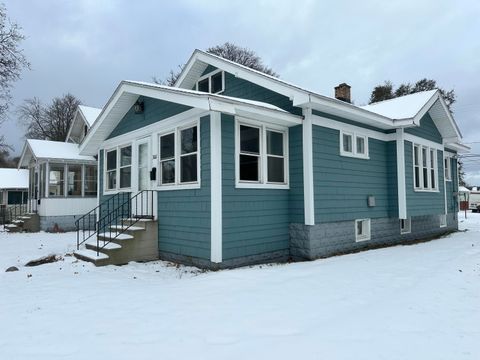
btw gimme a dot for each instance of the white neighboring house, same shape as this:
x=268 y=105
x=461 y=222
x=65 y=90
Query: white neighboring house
x=13 y=187
x=62 y=183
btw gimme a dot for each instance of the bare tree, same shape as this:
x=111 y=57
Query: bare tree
x=229 y=51
x=48 y=122
x=12 y=62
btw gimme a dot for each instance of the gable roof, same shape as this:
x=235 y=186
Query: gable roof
x=84 y=116
x=51 y=150
x=128 y=92
x=13 y=178
x=384 y=116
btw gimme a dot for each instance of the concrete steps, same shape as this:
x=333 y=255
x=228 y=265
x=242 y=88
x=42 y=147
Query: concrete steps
x=25 y=223
x=126 y=242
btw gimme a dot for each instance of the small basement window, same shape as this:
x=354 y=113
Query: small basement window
x=405 y=226
x=362 y=229
x=353 y=145
x=213 y=83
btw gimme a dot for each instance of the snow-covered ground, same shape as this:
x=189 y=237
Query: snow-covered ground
x=405 y=302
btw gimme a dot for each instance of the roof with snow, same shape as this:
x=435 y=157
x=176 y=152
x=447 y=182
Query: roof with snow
x=89 y=113
x=403 y=107
x=13 y=178
x=52 y=150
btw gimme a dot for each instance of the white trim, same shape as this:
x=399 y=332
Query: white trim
x=354 y=136
x=367 y=235
x=308 y=189
x=421 y=167
x=407 y=229
x=401 y=189
x=423 y=142
x=117 y=188
x=262 y=182
x=216 y=213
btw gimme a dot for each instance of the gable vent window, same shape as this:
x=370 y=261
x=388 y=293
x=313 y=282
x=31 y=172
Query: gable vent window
x=425 y=168
x=213 y=83
x=353 y=145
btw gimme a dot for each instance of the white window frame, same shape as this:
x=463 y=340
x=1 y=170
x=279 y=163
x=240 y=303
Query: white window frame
x=120 y=167
x=354 y=135
x=428 y=167
x=447 y=167
x=209 y=76
x=262 y=182
x=405 y=226
x=117 y=169
x=367 y=235
x=177 y=184
x=442 y=220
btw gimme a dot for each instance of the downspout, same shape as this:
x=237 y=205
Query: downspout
x=308 y=189
x=401 y=189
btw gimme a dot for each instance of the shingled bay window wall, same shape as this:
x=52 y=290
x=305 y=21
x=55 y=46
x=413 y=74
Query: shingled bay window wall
x=57 y=180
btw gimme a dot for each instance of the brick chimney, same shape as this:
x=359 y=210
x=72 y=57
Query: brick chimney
x=342 y=92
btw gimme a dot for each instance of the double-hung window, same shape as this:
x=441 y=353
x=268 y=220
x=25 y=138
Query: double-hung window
x=118 y=169
x=447 y=168
x=353 y=145
x=261 y=156
x=179 y=157
x=425 y=168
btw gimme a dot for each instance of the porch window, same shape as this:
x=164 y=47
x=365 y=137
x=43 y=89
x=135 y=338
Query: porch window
x=261 y=156
x=111 y=173
x=179 y=149
x=90 y=180
x=42 y=183
x=74 y=180
x=56 y=182
x=125 y=167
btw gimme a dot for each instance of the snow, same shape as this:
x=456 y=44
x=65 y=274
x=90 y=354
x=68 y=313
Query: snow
x=45 y=149
x=208 y=95
x=405 y=302
x=89 y=113
x=13 y=179
x=404 y=107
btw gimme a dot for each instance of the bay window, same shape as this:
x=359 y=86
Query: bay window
x=179 y=149
x=261 y=159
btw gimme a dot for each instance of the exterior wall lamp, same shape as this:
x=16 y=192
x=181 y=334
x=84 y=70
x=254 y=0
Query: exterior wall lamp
x=138 y=107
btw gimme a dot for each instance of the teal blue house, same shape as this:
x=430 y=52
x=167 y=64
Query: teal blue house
x=242 y=167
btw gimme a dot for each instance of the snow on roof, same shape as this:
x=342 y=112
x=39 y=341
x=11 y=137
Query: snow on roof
x=463 y=189
x=45 y=149
x=13 y=178
x=89 y=113
x=204 y=94
x=403 y=107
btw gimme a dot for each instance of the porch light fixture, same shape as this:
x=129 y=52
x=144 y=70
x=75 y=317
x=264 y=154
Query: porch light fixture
x=138 y=107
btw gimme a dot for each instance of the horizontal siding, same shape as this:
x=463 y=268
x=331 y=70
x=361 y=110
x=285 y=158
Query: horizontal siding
x=392 y=179
x=426 y=130
x=184 y=215
x=296 y=174
x=342 y=184
x=154 y=110
x=347 y=121
x=244 y=89
x=423 y=203
x=255 y=221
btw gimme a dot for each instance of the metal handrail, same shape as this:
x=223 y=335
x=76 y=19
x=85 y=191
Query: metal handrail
x=113 y=215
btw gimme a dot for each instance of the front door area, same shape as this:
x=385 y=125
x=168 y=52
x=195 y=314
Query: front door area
x=144 y=203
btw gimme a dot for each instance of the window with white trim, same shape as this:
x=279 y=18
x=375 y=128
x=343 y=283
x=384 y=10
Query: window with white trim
x=405 y=226
x=353 y=144
x=362 y=229
x=179 y=158
x=425 y=168
x=213 y=82
x=261 y=155
x=447 y=168
x=118 y=168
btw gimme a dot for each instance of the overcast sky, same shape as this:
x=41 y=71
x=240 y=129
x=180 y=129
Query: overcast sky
x=87 y=46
